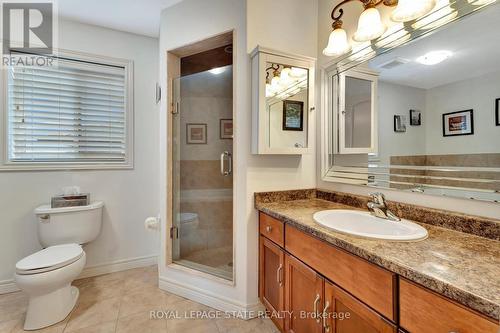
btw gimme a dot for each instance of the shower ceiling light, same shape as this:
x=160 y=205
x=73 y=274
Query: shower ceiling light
x=217 y=71
x=409 y=10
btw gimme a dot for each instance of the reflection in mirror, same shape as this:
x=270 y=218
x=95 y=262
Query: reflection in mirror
x=358 y=101
x=437 y=132
x=287 y=101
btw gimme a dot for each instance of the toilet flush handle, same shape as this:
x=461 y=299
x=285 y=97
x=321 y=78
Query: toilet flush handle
x=45 y=218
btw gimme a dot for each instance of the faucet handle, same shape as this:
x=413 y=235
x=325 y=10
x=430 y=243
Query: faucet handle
x=378 y=198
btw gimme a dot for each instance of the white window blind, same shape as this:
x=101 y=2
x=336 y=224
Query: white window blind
x=72 y=112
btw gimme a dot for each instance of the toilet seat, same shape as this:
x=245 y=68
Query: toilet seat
x=49 y=259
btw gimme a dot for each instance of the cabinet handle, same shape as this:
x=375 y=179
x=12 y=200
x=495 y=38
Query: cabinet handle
x=279 y=275
x=315 y=307
x=325 y=315
x=268 y=228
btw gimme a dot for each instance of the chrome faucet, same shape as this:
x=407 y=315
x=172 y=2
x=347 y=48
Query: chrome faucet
x=378 y=207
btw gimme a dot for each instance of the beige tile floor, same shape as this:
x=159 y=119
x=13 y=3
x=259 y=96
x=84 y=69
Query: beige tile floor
x=121 y=302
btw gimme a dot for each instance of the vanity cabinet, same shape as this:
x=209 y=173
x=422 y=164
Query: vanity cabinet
x=304 y=297
x=345 y=314
x=310 y=286
x=423 y=311
x=271 y=279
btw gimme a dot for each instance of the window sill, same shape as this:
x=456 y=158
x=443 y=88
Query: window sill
x=14 y=167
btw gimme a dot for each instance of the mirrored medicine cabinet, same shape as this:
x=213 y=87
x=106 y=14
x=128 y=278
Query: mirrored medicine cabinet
x=282 y=102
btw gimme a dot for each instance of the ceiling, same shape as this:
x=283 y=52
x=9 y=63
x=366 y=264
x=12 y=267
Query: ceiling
x=136 y=16
x=473 y=40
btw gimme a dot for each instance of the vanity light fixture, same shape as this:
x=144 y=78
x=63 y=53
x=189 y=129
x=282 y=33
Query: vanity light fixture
x=370 y=25
x=434 y=57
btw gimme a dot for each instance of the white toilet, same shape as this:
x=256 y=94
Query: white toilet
x=46 y=275
x=189 y=224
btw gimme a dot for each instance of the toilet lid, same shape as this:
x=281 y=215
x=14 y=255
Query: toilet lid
x=50 y=258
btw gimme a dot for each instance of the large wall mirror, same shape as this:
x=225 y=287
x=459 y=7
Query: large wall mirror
x=423 y=116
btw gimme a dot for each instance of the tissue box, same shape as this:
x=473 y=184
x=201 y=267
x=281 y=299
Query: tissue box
x=72 y=200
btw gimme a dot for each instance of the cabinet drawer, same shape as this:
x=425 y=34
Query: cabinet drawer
x=422 y=310
x=272 y=228
x=371 y=284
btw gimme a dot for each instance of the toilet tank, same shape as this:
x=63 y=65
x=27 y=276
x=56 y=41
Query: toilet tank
x=64 y=225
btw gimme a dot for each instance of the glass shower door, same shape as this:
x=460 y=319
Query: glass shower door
x=202 y=177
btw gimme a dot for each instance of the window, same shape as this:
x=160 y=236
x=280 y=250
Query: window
x=76 y=114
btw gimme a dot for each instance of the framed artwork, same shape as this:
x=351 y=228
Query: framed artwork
x=399 y=124
x=458 y=123
x=293 y=115
x=226 y=128
x=497 y=112
x=196 y=134
x=415 y=118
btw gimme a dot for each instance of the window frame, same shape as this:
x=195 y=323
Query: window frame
x=7 y=165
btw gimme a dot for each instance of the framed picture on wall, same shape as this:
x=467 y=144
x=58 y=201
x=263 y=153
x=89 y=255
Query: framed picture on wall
x=226 y=128
x=196 y=134
x=399 y=124
x=497 y=112
x=293 y=115
x=415 y=118
x=458 y=123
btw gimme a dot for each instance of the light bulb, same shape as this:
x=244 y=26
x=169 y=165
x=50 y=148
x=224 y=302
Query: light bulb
x=441 y=15
x=337 y=44
x=409 y=10
x=370 y=26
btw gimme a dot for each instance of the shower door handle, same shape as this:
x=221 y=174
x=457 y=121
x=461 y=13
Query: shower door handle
x=223 y=170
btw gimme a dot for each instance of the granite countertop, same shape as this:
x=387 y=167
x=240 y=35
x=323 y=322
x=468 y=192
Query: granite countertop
x=461 y=266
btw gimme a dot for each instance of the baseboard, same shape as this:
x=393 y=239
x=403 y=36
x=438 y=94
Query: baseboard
x=118 y=265
x=9 y=286
x=218 y=302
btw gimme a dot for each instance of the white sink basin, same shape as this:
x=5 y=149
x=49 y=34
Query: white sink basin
x=364 y=224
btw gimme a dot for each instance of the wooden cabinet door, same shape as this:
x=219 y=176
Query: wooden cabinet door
x=342 y=313
x=271 y=279
x=303 y=297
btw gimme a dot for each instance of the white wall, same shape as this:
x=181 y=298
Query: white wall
x=194 y=20
x=352 y=12
x=478 y=94
x=129 y=195
x=398 y=100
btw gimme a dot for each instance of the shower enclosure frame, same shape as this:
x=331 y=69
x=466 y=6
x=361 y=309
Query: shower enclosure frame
x=173 y=72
